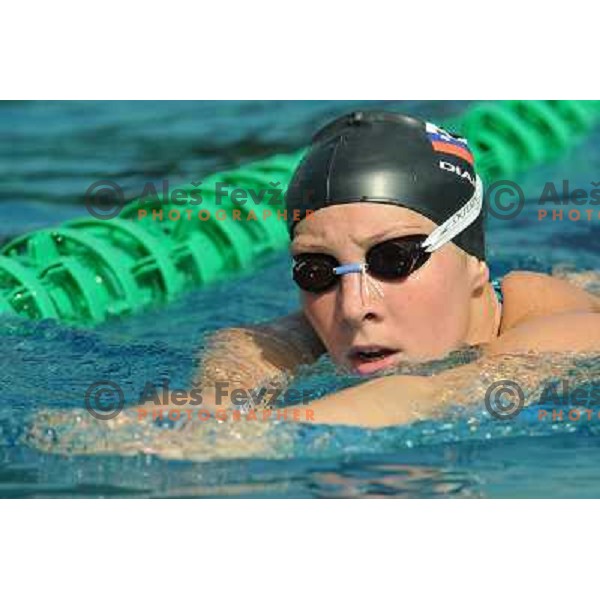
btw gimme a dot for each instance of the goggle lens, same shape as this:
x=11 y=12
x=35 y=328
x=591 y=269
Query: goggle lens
x=397 y=258
x=314 y=272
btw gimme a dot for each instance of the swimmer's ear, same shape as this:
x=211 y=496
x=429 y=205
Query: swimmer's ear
x=479 y=272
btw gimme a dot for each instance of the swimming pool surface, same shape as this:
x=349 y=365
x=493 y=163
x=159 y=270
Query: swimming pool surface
x=51 y=152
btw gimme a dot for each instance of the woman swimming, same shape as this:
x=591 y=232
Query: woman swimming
x=390 y=262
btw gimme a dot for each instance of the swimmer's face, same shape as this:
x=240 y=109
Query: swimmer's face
x=421 y=317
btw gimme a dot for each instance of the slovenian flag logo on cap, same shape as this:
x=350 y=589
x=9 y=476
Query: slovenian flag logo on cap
x=442 y=141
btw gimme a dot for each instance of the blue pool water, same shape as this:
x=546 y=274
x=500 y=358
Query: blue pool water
x=51 y=152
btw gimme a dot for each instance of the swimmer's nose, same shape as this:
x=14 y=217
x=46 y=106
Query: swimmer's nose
x=355 y=305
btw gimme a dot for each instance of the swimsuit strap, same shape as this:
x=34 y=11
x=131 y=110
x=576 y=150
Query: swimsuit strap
x=498 y=290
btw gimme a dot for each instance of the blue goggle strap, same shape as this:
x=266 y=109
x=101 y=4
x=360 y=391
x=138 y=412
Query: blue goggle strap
x=349 y=268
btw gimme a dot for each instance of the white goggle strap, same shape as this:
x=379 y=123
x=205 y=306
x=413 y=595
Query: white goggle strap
x=458 y=222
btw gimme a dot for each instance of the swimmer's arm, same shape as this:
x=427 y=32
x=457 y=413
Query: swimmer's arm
x=520 y=355
x=384 y=402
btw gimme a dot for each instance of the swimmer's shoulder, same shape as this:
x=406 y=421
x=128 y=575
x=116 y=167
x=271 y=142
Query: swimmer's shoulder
x=529 y=295
x=295 y=333
x=258 y=351
x=543 y=313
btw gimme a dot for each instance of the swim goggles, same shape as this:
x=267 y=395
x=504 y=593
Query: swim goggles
x=391 y=260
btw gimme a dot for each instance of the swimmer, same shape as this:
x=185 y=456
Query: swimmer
x=391 y=267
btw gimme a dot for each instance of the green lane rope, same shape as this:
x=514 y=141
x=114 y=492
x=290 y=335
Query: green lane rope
x=510 y=137
x=89 y=270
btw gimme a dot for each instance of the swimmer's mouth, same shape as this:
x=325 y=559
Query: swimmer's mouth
x=369 y=359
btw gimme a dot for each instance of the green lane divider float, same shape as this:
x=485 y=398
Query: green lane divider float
x=89 y=270
x=510 y=137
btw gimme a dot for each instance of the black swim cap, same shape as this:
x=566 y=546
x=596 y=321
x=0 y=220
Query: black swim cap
x=389 y=158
